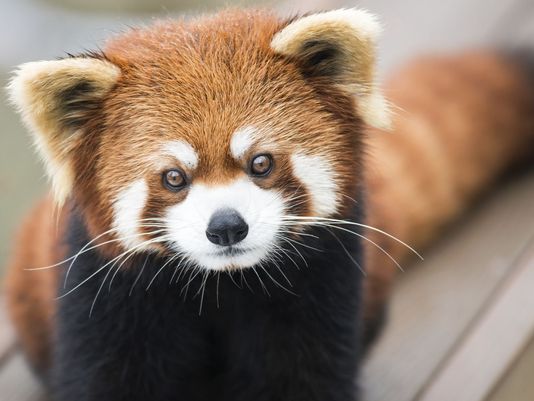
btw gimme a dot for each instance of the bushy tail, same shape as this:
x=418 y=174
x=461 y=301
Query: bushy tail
x=462 y=123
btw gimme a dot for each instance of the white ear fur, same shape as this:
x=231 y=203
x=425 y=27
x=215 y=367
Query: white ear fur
x=53 y=98
x=350 y=35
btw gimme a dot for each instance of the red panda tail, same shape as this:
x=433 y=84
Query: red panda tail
x=462 y=123
x=30 y=294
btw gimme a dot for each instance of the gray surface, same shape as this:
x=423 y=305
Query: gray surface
x=17 y=383
x=517 y=385
x=436 y=302
x=7 y=337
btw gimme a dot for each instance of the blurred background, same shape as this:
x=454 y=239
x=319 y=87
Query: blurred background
x=460 y=327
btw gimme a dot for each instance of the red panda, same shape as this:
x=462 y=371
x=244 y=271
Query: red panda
x=231 y=204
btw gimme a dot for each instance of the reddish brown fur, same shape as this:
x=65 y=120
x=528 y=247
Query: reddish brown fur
x=178 y=81
x=463 y=122
x=30 y=294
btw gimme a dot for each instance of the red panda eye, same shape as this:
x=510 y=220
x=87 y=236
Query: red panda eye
x=261 y=165
x=174 y=179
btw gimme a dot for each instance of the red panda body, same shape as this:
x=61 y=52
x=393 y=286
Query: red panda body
x=215 y=176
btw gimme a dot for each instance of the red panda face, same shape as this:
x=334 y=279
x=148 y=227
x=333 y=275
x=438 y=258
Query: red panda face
x=219 y=151
x=208 y=139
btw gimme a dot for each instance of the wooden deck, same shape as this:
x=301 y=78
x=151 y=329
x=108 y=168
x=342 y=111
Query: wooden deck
x=461 y=319
x=16 y=381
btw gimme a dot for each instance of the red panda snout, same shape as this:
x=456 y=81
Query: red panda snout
x=260 y=210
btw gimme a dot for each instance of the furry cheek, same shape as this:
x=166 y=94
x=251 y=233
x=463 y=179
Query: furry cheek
x=317 y=175
x=127 y=211
x=262 y=210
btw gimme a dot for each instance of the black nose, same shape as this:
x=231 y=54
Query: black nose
x=226 y=227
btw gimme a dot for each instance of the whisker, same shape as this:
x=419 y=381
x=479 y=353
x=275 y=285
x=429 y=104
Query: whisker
x=244 y=279
x=295 y=233
x=276 y=282
x=99 y=290
x=288 y=256
x=283 y=274
x=192 y=276
x=290 y=240
x=105 y=265
x=296 y=250
x=203 y=286
x=217 y=288
x=183 y=269
x=112 y=230
x=116 y=271
x=338 y=221
x=261 y=281
x=73 y=256
x=171 y=259
x=231 y=275
x=138 y=276
x=176 y=268
x=94 y=247
x=366 y=239
x=350 y=198
x=348 y=254
x=111 y=281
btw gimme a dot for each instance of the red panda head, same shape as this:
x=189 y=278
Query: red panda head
x=205 y=139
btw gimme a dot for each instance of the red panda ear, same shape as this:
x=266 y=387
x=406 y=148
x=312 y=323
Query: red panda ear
x=56 y=98
x=339 y=45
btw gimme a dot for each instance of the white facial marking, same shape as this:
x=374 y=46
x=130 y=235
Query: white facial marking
x=317 y=175
x=261 y=209
x=183 y=152
x=127 y=208
x=241 y=141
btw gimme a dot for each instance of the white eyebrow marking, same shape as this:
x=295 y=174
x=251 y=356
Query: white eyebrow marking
x=183 y=152
x=241 y=141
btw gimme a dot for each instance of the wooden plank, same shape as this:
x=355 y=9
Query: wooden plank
x=17 y=383
x=493 y=343
x=437 y=301
x=7 y=335
x=517 y=385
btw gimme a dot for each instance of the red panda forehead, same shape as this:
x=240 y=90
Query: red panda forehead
x=228 y=33
x=197 y=68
